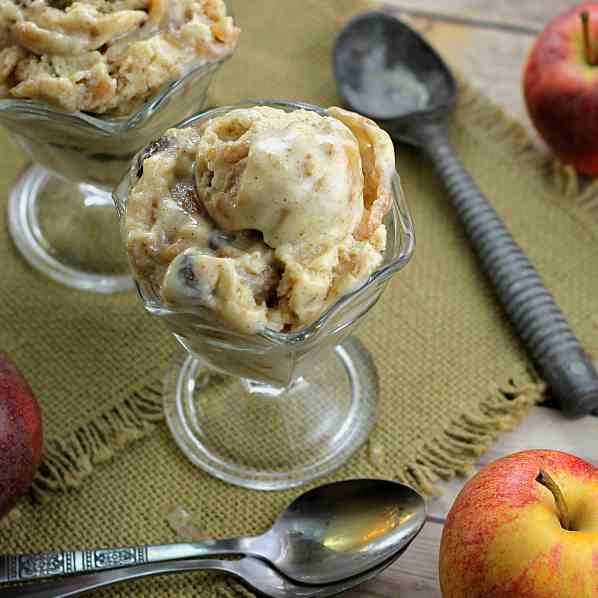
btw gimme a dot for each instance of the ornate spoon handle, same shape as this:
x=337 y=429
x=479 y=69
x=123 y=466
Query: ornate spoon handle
x=26 y=567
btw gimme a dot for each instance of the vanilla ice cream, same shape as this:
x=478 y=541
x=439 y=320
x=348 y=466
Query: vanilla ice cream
x=106 y=56
x=262 y=216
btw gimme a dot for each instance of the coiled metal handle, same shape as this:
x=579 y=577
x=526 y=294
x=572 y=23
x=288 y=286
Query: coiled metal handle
x=529 y=305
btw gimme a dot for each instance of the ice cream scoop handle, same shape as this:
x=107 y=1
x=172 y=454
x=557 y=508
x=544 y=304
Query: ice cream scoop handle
x=529 y=305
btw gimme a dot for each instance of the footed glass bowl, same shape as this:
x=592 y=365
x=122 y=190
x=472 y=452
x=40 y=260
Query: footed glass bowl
x=275 y=410
x=60 y=212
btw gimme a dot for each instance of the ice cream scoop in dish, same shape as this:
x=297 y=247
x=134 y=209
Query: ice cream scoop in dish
x=83 y=86
x=262 y=216
x=262 y=234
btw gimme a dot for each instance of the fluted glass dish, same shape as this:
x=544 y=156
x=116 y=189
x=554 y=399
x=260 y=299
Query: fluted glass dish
x=60 y=212
x=274 y=410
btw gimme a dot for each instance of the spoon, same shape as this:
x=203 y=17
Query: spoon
x=252 y=571
x=388 y=72
x=325 y=535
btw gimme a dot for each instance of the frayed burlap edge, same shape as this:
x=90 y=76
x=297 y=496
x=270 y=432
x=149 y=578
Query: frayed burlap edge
x=68 y=461
x=456 y=449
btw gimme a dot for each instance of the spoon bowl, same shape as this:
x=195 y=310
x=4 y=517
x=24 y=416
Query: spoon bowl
x=389 y=72
x=343 y=529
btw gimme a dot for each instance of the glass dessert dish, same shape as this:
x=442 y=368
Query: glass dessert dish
x=274 y=410
x=61 y=215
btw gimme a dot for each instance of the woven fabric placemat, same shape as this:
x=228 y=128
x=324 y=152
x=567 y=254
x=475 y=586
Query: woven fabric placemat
x=452 y=374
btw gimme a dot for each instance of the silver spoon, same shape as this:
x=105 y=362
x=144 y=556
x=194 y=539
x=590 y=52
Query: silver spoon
x=252 y=571
x=388 y=72
x=327 y=534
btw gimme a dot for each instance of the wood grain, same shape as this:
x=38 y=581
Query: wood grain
x=533 y=15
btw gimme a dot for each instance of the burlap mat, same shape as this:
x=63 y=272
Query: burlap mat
x=452 y=374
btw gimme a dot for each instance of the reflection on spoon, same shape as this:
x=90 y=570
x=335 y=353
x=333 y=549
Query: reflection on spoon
x=358 y=528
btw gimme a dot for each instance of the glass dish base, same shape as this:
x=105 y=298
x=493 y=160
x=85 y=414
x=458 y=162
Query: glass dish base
x=267 y=438
x=69 y=231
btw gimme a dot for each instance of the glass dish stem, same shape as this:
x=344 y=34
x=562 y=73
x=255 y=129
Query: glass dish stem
x=268 y=437
x=68 y=231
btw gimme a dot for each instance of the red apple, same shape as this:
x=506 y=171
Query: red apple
x=526 y=526
x=21 y=438
x=560 y=85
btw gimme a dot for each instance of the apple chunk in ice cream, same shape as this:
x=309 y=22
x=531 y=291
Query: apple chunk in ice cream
x=263 y=216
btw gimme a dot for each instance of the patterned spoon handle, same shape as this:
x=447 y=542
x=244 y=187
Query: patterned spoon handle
x=27 y=567
x=69 y=587
x=529 y=305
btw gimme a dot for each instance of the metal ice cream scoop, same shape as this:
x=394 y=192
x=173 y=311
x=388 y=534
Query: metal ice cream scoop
x=388 y=72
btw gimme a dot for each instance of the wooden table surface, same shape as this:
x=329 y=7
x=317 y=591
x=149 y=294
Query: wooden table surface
x=487 y=41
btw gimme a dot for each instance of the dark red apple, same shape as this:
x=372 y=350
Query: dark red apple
x=21 y=437
x=560 y=85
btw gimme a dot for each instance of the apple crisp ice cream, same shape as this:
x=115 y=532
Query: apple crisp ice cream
x=263 y=217
x=106 y=56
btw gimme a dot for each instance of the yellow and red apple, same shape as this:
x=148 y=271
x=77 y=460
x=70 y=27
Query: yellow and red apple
x=526 y=526
x=560 y=85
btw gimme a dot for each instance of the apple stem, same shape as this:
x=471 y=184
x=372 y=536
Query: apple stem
x=546 y=481
x=590 y=53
